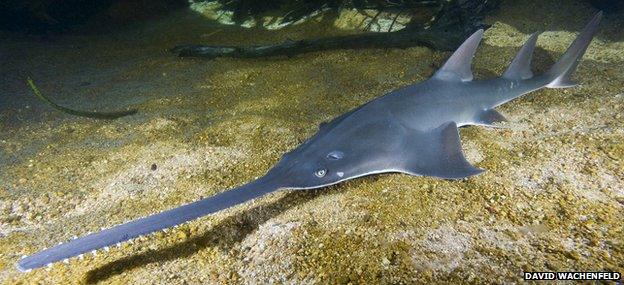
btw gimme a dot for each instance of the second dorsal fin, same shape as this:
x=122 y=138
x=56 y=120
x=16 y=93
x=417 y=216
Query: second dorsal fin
x=458 y=66
x=520 y=67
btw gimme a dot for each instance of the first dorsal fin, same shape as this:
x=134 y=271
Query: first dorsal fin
x=458 y=66
x=520 y=67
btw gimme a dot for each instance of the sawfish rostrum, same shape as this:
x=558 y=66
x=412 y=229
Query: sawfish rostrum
x=411 y=130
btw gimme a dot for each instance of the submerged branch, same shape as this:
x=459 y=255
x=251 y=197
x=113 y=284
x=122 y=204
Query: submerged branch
x=398 y=39
x=453 y=23
x=94 y=115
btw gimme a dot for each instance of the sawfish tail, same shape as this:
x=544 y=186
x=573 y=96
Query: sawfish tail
x=149 y=224
x=559 y=74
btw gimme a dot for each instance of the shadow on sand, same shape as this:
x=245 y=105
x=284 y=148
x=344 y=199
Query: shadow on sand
x=225 y=235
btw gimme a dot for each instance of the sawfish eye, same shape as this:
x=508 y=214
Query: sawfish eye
x=335 y=155
x=320 y=173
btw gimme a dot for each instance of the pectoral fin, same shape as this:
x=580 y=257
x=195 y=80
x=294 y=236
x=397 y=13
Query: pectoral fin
x=437 y=153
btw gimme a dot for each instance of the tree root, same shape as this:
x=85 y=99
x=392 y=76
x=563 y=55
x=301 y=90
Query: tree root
x=94 y=115
x=453 y=23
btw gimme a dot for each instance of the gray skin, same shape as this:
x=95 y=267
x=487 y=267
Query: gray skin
x=411 y=130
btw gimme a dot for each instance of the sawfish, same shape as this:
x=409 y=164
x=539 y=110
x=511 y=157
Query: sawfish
x=412 y=130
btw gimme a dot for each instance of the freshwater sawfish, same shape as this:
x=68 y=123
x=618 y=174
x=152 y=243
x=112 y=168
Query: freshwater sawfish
x=412 y=130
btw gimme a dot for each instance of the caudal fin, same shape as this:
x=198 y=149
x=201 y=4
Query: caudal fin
x=559 y=74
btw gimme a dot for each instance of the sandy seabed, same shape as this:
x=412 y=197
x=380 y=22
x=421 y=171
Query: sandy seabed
x=552 y=198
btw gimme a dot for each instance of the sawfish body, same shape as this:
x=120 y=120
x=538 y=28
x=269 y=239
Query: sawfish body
x=412 y=130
